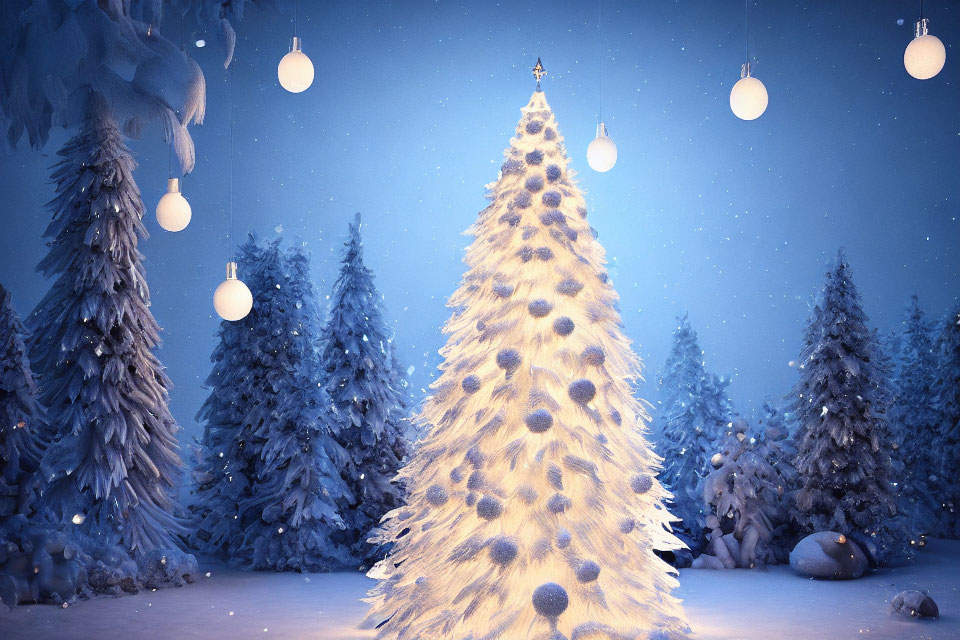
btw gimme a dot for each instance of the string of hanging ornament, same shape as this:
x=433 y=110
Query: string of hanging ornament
x=173 y=211
x=602 y=151
x=232 y=299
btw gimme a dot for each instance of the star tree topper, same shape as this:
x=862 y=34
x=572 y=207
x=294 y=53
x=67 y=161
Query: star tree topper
x=539 y=72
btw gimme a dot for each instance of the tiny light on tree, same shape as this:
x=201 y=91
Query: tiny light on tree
x=602 y=152
x=925 y=55
x=173 y=210
x=295 y=70
x=232 y=299
x=748 y=98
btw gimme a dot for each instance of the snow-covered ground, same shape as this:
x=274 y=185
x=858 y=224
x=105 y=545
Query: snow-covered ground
x=722 y=605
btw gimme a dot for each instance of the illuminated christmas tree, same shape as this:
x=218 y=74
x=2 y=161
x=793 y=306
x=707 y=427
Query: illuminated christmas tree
x=533 y=510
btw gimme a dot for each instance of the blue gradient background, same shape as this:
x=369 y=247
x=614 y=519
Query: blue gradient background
x=414 y=102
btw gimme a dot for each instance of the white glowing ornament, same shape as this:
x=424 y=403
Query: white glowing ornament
x=748 y=98
x=173 y=210
x=925 y=55
x=602 y=152
x=232 y=299
x=295 y=70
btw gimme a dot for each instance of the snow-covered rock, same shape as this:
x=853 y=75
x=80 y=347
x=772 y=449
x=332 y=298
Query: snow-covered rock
x=915 y=604
x=829 y=555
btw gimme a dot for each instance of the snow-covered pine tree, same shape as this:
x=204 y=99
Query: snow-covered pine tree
x=112 y=462
x=913 y=420
x=228 y=450
x=776 y=445
x=843 y=441
x=21 y=417
x=742 y=493
x=534 y=510
x=947 y=398
x=268 y=483
x=363 y=386
x=695 y=415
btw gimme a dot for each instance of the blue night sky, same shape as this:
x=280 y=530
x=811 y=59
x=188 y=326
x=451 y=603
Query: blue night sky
x=732 y=222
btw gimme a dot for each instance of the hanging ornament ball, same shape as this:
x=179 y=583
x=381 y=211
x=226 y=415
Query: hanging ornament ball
x=748 y=99
x=295 y=70
x=925 y=55
x=588 y=571
x=173 y=210
x=436 y=495
x=602 y=152
x=550 y=600
x=232 y=299
x=503 y=550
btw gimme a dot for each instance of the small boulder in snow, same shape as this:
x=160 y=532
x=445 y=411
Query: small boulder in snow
x=915 y=604
x=828 y=555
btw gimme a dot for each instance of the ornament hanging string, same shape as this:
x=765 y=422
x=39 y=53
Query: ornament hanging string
x=170 y=158
x=746 y=30
x=230 y=201
x=600 y=32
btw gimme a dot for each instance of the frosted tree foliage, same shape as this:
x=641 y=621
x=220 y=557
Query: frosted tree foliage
x=534 y=509
x=113 y=459
x=228 y=450
x=695 y=415
x=776 y=445
x=744 y=496
x=268 y=482
x=913 y=418
x=365 y=390
x=947 y=398
x=844 y=444
x=21 y=418
x=43 y=86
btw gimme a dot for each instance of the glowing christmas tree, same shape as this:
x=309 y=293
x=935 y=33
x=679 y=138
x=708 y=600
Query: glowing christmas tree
x=534 y=510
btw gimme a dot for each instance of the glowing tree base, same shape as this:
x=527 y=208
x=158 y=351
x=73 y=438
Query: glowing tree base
x=534 y=510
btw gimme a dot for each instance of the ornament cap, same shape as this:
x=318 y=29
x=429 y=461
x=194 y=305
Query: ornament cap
x=173 y=185
x=602 y=130
x=745 y=70
x=295 y=44
x=231 y=271
x=921 y=28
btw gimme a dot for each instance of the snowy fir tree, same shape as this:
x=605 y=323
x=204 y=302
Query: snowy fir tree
x=775 y=444
x=694 y=418
x=21 y=418
x=268 y=482
x=365 y=390
x=913 y=420
x=112 y=464
x=533 y=510
x=778 y=446
x=742 y=491
x=947 y=399
x=846 y=481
